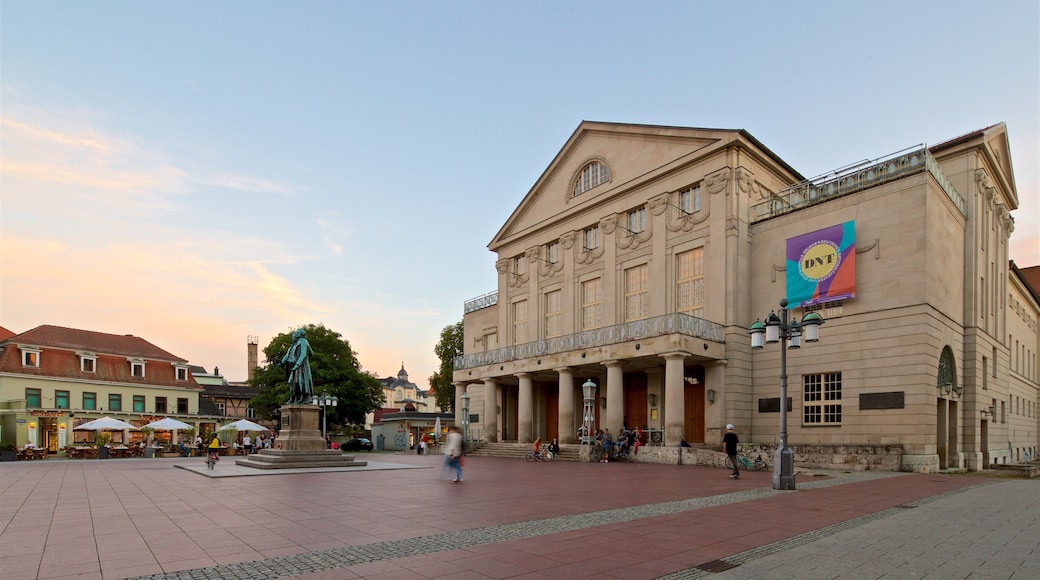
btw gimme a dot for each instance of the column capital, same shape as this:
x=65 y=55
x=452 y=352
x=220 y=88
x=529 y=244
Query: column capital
x=521 y=375
x=564 y=369
x=612 y=363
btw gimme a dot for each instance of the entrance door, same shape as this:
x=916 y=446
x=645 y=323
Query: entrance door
x=941 y=433
x=693 y=425
x=635 y=401
x=552 y=413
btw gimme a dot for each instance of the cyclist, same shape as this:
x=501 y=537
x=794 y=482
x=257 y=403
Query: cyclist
x=214 y=449
x=730 y=441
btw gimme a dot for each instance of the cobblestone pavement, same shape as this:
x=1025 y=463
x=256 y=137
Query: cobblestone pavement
x=144 y=518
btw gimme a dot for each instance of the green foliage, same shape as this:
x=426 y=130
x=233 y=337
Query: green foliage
x=7 y=446
x=449 y=347
x=102 y=439
x=335 y=369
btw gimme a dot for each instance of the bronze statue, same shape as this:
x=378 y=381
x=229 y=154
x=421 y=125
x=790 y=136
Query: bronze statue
x=297 y=363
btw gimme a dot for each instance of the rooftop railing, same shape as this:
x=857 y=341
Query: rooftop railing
x=489 y=299
x=675 y=323
x=855 y=178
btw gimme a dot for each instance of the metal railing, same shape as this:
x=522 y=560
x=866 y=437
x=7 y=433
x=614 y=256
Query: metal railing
x=857 y=178
x=489 y=299
x=674 y=323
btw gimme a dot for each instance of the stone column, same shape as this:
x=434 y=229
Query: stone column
x=525 y=409
x=615 y=397
x=459 y=389
x=566 y=414
x=674 y=405
x=490 y=418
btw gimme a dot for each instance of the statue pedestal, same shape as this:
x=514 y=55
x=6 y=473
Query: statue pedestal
x=299 y=444
x=301 y=428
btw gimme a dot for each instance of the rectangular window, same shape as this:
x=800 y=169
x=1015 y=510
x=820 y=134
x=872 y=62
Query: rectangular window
x=689 y=283
x=592 y=304
x=520 y=322
x=552 y=252
x=137 y=369
x=637 y=292
x=222 y=407
x=182 y=406
x=88 y=364
x=30 y=357
x=553 y=315
x=637 y=220
x=160 y=405
x=690 y=200
x=592 y=238
x=33 y=399
x=182 y=374
x=115 y=402
x=490 y=342
x=90 y=401
x=138 y=403
x=61 y=399
x=821 y=399
x=250 y=413
x=520 y=265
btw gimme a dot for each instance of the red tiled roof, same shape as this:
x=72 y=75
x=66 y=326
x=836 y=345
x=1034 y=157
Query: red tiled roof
x=5 y=334
x=89 y=340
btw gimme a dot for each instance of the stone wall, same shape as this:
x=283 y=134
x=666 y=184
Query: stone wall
x=839 y=457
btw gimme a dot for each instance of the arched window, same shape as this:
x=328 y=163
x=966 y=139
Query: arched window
x=947 y=377
x=590 y=176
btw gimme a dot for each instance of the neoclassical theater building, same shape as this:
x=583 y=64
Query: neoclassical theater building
x=643 y=254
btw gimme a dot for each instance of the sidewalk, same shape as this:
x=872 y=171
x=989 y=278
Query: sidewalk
x=401 y=518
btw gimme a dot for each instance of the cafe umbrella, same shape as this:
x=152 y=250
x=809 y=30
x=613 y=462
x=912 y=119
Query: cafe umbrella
x=105 y=424
x=243 y=425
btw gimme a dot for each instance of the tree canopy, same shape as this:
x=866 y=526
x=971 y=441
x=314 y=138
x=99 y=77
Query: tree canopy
x=449 y=347
x=335 y=370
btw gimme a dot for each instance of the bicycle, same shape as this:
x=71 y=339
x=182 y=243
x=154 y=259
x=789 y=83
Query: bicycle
x=748 y=463
x=543 y=455
x=212 y=459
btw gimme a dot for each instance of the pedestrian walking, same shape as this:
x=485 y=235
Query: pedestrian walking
x=730 y=441
x=453 y=450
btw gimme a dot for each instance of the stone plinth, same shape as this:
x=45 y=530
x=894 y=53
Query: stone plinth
x=301 y=429
x=299 y=444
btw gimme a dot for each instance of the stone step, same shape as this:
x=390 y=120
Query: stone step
x=519 y=451
x=298 y=459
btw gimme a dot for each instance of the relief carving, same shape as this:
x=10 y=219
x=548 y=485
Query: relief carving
x=627 y=240
x=717 y=181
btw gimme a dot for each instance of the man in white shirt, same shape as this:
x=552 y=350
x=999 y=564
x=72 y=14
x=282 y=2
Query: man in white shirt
x=247 y=444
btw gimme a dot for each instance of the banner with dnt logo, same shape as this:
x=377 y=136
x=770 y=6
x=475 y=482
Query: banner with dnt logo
x=821 y=266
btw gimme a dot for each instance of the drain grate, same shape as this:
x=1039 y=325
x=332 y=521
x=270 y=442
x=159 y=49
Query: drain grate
x=717 y=566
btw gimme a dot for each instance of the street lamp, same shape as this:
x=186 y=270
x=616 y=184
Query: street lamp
x=775 y=329
x=465 y=417
x=588 y=393
x=324 y=400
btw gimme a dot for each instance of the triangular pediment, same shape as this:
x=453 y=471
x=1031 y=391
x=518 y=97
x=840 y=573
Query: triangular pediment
x=629 y=153
x=997 y=144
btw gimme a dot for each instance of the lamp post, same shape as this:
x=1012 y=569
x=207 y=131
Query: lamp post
x=465 y=417
x=588 y=393
x=324 y=400
x=775 y=329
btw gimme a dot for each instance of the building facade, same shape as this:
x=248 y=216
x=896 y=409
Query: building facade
x=642 y=255
x=53 y=379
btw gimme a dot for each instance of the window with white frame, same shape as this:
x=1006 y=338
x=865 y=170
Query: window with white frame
x=222 y=407
x=250 y=413
x=690 y=200
x=552 y=252
x=689 y=282
x=553 y=314
x=520 y=322
x=637 y=292
x=591 y=238
x=30 y=357
x=182 y=373
x=137 y=369
x=591 y=175
x=821 y=399
x=637 y=220
x=592 y=304
x=88 y=363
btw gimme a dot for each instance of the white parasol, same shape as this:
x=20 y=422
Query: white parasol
x=437 y=428
x=168 y=424
x=105 y=424
x=243 y=425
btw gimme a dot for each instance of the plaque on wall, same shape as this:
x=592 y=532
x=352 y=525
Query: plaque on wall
x=772 y=405
x=874 y=401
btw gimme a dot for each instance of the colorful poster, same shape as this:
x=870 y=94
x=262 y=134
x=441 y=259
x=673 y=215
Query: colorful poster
x=821 y=266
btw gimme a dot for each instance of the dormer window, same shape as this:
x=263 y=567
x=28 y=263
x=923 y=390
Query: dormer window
x=136 y=368
x=30 y=357
x=590 y=176
x=87 y=362
x=181 y=372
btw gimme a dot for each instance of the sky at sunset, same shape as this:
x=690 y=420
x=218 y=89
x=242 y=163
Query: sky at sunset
x=198 y=172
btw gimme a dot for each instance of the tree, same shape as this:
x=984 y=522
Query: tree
x=449 y=347
x=335 y=369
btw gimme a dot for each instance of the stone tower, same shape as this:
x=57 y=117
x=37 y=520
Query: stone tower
x=251 y=356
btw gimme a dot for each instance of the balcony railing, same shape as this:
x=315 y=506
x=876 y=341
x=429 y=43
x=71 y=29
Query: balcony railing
x=674 y=323
x=857 y=178
x=489 y=299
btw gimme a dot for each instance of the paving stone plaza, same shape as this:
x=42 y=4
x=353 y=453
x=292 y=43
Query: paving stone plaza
x=401 y=517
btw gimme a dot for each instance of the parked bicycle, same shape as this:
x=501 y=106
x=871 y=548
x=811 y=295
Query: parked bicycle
x=543 y=455
x=749 y=462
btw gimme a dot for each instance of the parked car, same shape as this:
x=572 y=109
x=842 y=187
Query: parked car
x=357 y=444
